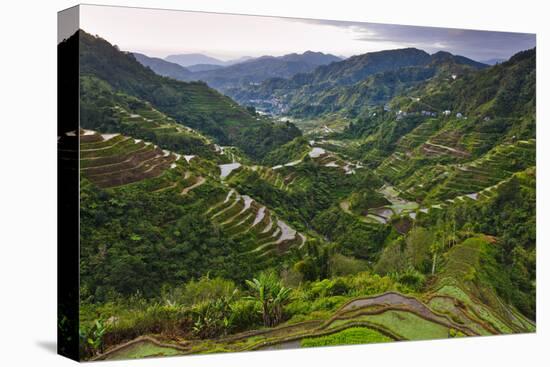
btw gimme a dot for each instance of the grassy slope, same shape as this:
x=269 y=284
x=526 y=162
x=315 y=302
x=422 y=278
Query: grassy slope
x=346 y=337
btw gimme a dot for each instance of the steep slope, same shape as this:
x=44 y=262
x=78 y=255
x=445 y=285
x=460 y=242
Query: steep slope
x=504 y=90
x=179 y=200
x=436 y=157
x=380 y=88
x=192 y=104
x=359 y=67
x=104 y=110
x=163 y=67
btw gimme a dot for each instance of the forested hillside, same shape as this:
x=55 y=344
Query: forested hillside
x=240 y=73
x=193 y=104
x=207 y=228
x=350 y=86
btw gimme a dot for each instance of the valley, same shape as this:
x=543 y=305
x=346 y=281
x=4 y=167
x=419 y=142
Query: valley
x=392 y=198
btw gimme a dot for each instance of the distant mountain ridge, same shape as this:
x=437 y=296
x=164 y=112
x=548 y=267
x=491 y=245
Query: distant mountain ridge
x=322 y=90
x=310 y=57
x=203 y=67
x=223 y=75
x=493 y=61
x=193 y=104
x=259 y=69
x=199 y=59
x=163 y=67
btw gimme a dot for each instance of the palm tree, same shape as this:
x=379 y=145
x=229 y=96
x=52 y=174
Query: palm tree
x=271 y=295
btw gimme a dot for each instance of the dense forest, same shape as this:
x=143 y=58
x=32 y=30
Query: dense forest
x=208 y=227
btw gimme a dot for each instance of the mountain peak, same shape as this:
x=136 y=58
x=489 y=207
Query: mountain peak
x=442 y=54
x=311 y=57
x=162 y=67
x=192 y=59
x=445 y=56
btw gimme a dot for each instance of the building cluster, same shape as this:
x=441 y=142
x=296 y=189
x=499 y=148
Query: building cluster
x=274 y=105
x=400 y=114
x=428 y=113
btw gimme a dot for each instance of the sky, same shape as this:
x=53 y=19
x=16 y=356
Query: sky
x=159 y=33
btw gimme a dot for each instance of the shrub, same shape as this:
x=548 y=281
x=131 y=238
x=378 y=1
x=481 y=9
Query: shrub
x=338 y=287
x=345 y=265
x=412 y=278
x=245 y=314
x=391 y=259
x=366 y=284
x=291 y=277
x=202 y=290
x=212 y=318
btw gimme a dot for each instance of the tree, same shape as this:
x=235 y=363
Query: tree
x=316 y=261
x=269 y=292
x=437 y=245
x=417 y=250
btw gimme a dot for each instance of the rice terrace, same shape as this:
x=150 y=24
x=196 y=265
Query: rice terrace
x=301 y=199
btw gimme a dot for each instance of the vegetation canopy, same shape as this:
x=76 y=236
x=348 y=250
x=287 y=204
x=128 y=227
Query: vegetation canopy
x=387 y=196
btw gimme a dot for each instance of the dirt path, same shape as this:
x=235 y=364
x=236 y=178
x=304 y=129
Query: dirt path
x=199 y=182
x=456 y=151
x=167 y=187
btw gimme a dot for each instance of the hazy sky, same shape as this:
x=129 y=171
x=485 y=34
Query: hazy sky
x=162 y=32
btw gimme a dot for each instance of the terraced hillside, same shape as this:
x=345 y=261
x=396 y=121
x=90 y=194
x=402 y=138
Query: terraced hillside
x=387 y=317
x=445 y=182
x=451 y=136
x=193 y=104
x=491 y=169
x=110 y=160
x=115 y=160
x=462 y=285
x=207 y=227
x=301 y=189
x=246 y=220
x=121 y=113
x=451 y=308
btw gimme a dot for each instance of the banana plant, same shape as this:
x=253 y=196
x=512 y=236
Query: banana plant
x=269 y=292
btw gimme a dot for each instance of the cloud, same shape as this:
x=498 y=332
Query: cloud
x=476 y=44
